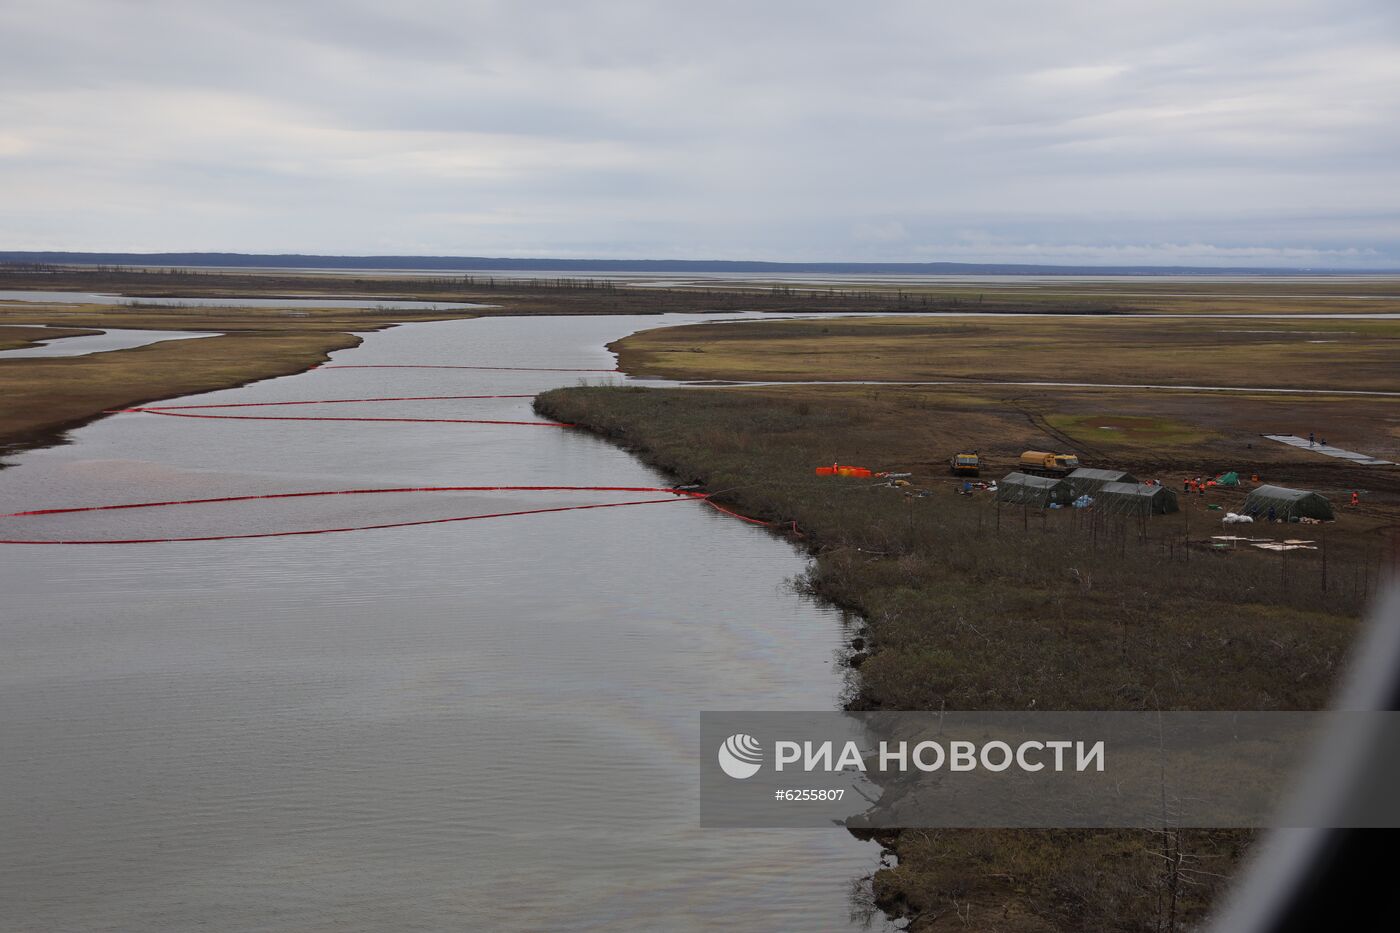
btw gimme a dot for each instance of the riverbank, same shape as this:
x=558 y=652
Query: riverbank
x=261 y=342
x=962 y=614
x=49 y=396
x=1309 y=354
x=55 y=396
x=967 y=606
x=17 y=337
x=1151 y=431
x=507 y=295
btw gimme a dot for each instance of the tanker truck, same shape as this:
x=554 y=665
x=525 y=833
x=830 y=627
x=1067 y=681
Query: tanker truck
x=1044 y=463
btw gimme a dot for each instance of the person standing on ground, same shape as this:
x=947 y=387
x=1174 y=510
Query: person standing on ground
x=1310 y=438
x=1355 y=498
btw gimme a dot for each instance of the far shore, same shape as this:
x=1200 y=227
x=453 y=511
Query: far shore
x=50 y=396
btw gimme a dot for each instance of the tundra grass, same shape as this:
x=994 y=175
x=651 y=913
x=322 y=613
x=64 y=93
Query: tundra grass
x=1131 y=431
x=13 y=338
x=966 y=606
x=48 y=395
x=1347 y=295
x=1120 y=349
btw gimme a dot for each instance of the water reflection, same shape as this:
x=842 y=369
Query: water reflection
x=485 y=725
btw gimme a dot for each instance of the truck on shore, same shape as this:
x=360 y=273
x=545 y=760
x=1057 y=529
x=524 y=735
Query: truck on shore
x=965 y=464
x=1044 y=463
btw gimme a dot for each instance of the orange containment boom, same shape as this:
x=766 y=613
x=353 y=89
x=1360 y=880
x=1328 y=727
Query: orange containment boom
x=837 y=469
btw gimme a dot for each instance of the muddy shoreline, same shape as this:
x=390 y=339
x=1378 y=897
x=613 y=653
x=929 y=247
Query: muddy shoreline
x=964 y=611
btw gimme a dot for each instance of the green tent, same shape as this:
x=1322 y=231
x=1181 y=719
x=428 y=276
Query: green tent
x=1228 y=479
x=1039 y=491
x=1085 y=480
x=1135 y=499
x=1287 y=503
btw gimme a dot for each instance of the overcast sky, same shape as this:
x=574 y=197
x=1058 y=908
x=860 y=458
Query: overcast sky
x=1226 y=132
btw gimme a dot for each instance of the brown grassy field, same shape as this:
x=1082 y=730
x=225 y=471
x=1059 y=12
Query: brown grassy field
x=896 y=556
x=509 y=296
x=1163 y=433
x=1310 y=354
x=967 y=605
x=46 y=396
x=1231 y=295
x=13 y=338
x=50 y=396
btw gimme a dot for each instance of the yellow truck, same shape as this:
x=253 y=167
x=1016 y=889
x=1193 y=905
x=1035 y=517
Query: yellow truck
x=1044 y=463
x=965 y=464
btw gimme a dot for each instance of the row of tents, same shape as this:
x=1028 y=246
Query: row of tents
x=1120 y=493
x=1112 y=491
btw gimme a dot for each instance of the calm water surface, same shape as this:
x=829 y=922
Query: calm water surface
x=484 y=725
x=52 y=297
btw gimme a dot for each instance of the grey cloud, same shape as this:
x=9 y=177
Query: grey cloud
x=813 y=130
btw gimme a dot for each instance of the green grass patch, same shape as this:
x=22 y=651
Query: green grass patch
x=1137 y=431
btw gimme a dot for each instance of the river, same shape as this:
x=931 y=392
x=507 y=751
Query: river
x=289 y=303
x=476 y=725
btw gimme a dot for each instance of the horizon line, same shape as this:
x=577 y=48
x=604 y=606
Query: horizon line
x=441 y=262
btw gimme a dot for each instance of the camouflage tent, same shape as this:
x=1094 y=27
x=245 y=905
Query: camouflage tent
x=1039 y=491
x=1085 y=480
x=1135 y=499
x=1287 y=503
